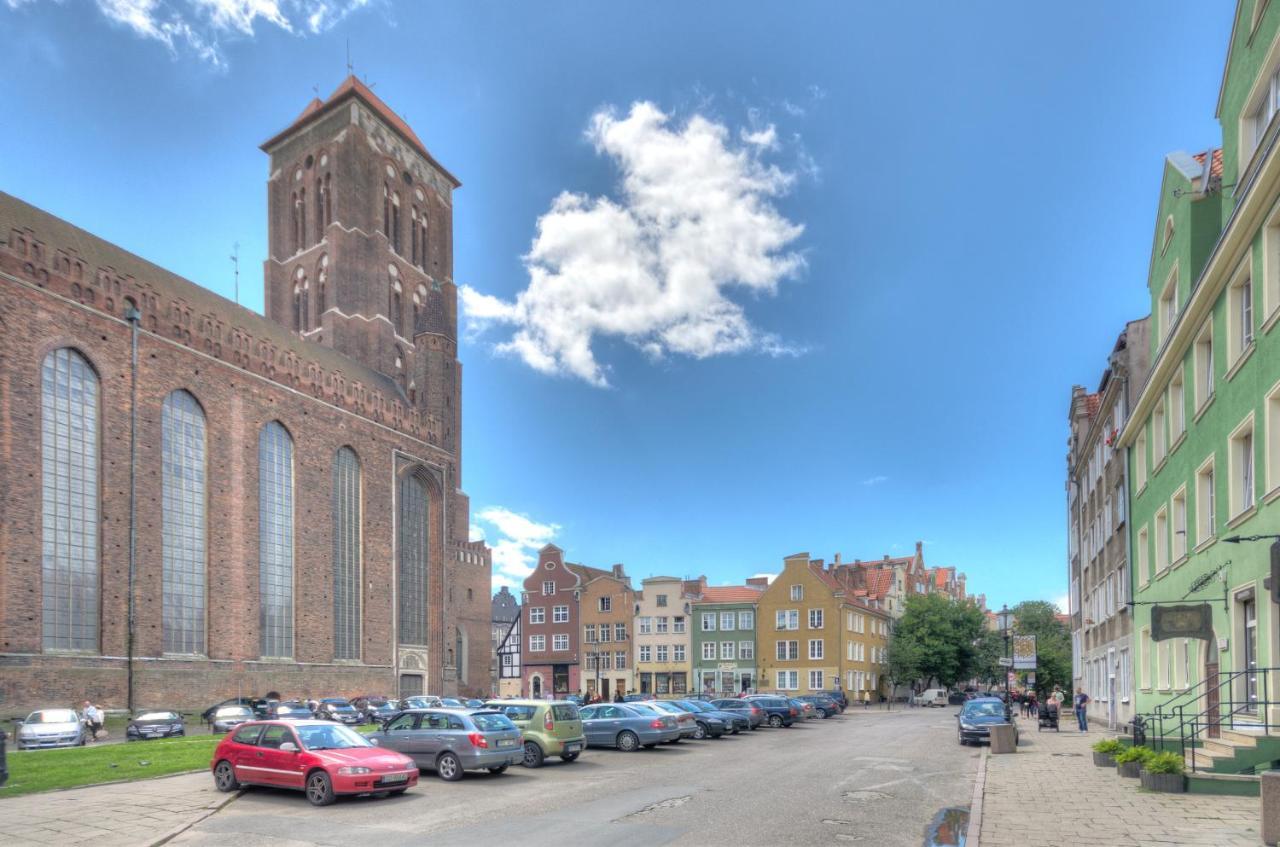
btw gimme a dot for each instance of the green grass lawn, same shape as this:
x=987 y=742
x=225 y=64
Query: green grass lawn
x=43 y=770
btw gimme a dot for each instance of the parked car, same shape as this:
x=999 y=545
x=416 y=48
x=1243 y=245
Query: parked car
x=637 y=698
x=839 y=696
x=707 y=725
x=453 y=741
x=778 y=710
x=323 y=759
x=291 y=710
x=733 y=722
x=420 y=701
x=51 y=728
x=754 y=714
x=932 y=697
x=822 y=704
x=339 y=710
x=978 y=716
x=807 y=711
x=375 y=709
x=248 y=702
x=228 y=718
x=684 y=719
x=550 y=728
x=575 y=699
x=627 y=726
x=155 y=724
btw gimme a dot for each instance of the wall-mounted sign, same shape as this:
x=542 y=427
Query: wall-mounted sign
x=1024 y=652
x=728 y=666
x=1189 y=621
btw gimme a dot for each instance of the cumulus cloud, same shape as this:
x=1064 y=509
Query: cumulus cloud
x=693 y=220
x=197 y=27
x=515 y=540
x=875 y=480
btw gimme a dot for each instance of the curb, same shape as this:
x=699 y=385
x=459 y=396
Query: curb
x=101 y=784
x=173 y=833
x=974 y=833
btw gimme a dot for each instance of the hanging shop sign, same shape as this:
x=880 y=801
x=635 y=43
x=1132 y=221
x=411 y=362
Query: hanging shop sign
x=1194 y=620
x=1024 y=652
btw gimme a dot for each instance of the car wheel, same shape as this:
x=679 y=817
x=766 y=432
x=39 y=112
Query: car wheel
x=569 y=757
x=650 y=746
x=449 y=768
x=701 y=732
x=499 y=769
x=963 y=743
x=775 y=721
x=628 y=741
x=224 y=777
x=320 y=789
x=532 y=755
x=736 y=730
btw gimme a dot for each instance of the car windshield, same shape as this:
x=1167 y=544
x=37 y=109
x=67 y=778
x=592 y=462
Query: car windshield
x=491 y=722
x=53 y=716
x=233 y=712
x=989 y=709
x=157 y=716
x=643 y=709
x=330 y=737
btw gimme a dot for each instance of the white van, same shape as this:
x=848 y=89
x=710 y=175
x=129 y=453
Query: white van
x=933 y=697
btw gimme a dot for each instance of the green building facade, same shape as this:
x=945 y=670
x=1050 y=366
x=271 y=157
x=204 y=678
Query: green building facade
x=1204 y=434
x=724 y=641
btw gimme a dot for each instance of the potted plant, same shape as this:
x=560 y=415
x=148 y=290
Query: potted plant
x=1129 y=762
x=1104 y=752
x=1164 y=772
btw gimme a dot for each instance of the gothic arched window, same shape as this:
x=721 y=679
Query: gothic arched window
x=322 y=280
x=69 y=518
x=386 y=210
x=297 y=307
x=302 y=217
x=183 y=520
x=395 y=307
x=275 y=541
x=346 y=555
x=301 y=293
x=395 y=222
x=413 y=556
x=297 y=230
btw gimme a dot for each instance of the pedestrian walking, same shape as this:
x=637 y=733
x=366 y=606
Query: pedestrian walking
x=1082 y=715
x=93 y=720
x=617 y=696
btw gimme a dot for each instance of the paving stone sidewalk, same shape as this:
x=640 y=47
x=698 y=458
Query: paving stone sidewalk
x=1051 y=793
x=129 y=813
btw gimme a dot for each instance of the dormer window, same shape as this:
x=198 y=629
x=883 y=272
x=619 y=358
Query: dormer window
x=1168 y=233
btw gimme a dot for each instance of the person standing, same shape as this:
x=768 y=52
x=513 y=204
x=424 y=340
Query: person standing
x=93 y=720
x=1082 y=716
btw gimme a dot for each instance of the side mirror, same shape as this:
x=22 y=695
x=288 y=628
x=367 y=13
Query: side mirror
x=288 y=747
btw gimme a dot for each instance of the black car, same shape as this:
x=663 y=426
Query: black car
x=778 y=711
x=978 y=716
x=839 y=696
x=825 y=706
x=338 y=710
x=155 y=723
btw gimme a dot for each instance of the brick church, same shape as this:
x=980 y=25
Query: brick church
x=197 y=501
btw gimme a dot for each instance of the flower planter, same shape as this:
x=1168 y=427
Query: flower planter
x=1172 y=783
x=1104 y=760
x=1131 y=770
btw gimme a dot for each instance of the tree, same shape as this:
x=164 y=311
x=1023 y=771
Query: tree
x=987 y=667
x=901 y=664
x=938 y=636
x=1053 y=643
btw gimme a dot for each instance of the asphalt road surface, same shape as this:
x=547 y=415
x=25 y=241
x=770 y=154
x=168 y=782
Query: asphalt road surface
x=877 y=778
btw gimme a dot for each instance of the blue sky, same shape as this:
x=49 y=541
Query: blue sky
x=956 y=203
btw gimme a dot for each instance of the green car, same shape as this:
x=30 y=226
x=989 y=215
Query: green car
x=550 y=728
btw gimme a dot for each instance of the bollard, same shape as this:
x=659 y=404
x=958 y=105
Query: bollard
x=1002 y=739
x=1270 y=795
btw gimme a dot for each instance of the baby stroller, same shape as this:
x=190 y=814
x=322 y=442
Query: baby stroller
x=1048 y=718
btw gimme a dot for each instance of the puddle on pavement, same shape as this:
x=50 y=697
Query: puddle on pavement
x=866 y=794
x=949 y=828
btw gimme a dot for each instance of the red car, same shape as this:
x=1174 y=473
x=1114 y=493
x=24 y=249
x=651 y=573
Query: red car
x=323 y=759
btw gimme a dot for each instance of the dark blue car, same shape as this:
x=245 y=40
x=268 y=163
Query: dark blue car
x=978 y=716
x=778 y=711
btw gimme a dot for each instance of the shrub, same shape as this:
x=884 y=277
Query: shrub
x=1135 y=754
x=1168 y=762
x=1108 y=747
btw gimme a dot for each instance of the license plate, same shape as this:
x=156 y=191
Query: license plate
x=571 y=748
x=395 y=777
x=506 y=742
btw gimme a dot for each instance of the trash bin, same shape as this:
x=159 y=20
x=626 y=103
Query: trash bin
x=1003 y=739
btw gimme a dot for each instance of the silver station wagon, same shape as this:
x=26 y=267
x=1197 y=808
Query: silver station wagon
x=451 y=741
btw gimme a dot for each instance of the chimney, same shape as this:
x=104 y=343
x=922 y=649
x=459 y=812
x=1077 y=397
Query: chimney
x=886 y=557
x=919 y=547
x=837 y=560
x=762 y=581
x=617 y=571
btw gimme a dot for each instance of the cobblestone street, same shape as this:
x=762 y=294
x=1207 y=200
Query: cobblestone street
x=1051 y=793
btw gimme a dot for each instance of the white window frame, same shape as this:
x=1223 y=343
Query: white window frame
x=558 y=639
x=816 y=619
x=1206 y=518
x=1178 y=517
x=1162 y=539
x=1159 y=436
x=1167 y=311
x=746 y=651
x=1144 y=556
x=1177 y=407
x=537 y=614
x=548 y=587
x=537 y=643
x=662 y=653
x=708 y=651
x=1242 y=468
x=1140 y=459
x=1240 y=326
x=677 y=653
x=729 y=650
x=646 y=625
x=1205 y=368
x=709 y=618
x=728 y=621
x=797 y=592
x=816 y=680
x=746 y=619
x=559 y=614
x=1271 y=446
x=646 y=653
x=817 y=649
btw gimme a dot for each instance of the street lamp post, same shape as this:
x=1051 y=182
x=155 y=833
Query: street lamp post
x=1004 y=619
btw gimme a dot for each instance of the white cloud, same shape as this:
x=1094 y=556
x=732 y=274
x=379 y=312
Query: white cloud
x=1063 y=602
x=875 y=480
x=769 y=576
x=515 y=540
x=692 y=220
x=198 y=26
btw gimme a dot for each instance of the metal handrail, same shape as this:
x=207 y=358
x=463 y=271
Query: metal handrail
x=1227 y=709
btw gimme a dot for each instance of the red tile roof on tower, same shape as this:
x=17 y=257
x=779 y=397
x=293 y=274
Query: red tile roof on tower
x=731 y=594
x=352 y=87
